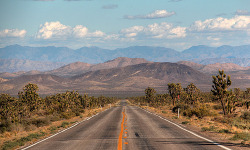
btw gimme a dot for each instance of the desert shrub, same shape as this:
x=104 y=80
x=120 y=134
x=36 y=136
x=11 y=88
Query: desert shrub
x=64 y=124
x=20 y=142
x=185 y=122
x=217 y=107
x=199 y=111
x=52 y=129
x=9 y=145
x=164 y=112
x=246 y=115
x=77 y=113
x=210 y=128
x=188 y=113
x=224 y=131
x=223 y=119
x=241 y=136
x=67 y=115
x=5 y=126
x=241 y=125
x=182 y=107
x=175 y=117
x=41 y=122
x=54 y=117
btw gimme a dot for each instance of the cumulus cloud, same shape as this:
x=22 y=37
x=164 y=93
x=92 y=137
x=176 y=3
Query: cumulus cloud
x=242 y=12
x=163 y=30
x=56 y=30
x=213 y=38
x=97 y=33
x=154 y=15
x=222 y=24
x=13 y=33
x=80 y=31
x=109 y=6
x=53 y=30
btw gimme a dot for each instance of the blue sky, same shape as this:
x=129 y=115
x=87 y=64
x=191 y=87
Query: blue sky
x=177 y=24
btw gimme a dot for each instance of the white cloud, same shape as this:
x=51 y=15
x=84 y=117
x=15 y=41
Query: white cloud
x=213 y=38
x=132 y=31
x=242 y=12
x=53 y=30
x=13 y=33
x=178 y=32
x=154 y=15
x=112 y=37
x=222 y=24
x=80 y=31
x=163 y=30
x=97 y=33
x=56 y=30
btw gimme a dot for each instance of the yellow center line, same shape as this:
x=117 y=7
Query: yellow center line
x=121 y=133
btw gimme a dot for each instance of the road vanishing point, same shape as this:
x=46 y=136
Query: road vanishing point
x=129 y=128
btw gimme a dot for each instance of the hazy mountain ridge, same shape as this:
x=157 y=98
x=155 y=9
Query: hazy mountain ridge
x=15 y=65
x=77 y=68
x=121 y=74
x=202 y=54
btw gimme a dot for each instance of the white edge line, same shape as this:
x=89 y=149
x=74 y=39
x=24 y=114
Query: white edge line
x=77 y=123
x=215 y=143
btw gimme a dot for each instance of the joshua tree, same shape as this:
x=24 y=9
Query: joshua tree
x=30 y=97
x=150 y=94
x=192 y=92
x=174 y=91
x=219 y=89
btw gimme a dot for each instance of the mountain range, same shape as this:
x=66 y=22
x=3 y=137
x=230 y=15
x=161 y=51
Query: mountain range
x=15 y=58
x=129 y=78
x=122 y=75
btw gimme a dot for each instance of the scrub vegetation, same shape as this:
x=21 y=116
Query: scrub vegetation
x=219 y=111
x=29 y=112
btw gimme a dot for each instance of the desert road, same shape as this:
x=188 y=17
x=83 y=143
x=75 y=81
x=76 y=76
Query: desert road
x=128 y=128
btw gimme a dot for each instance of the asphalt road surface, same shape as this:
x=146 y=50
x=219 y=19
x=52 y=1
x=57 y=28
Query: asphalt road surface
x=128 y=128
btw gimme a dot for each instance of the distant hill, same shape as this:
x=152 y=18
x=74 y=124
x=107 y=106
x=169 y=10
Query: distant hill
x=167 y=72
x=239 y=75
x=243 y=62
x=192 y=64
x=239 y=55
x=70 y=69
x=228 y=67
x=46 y=83
x=213 y=68
x=76 y=68
x=122 y=76
x=129 y=78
